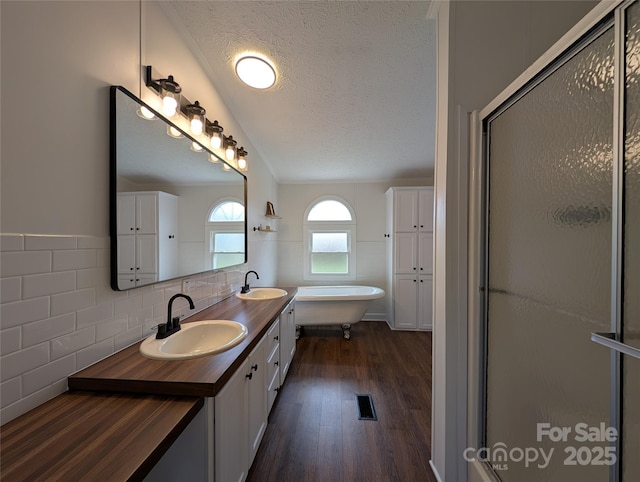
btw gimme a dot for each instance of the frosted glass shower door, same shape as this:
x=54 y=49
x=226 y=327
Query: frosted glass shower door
x=548 y=266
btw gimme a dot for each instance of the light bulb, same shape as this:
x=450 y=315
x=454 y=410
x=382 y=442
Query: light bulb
x=226 y=166
x=196 y=147
x=170 y=93
x=230 y=153
x=242 y=161
x=216 y=141
x=173 y=132
x=169 y=106
x=213 y=158
x=196 y=126
x=145 y=113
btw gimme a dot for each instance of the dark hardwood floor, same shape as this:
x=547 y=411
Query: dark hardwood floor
x=314 y=433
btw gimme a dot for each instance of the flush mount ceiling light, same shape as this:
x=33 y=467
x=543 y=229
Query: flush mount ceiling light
x=255 y=72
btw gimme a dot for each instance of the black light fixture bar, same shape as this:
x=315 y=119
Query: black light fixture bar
x=153 y=80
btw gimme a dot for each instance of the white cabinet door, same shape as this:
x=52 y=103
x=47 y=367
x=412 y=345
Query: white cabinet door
x=288 y=339
x=230 y=428
x=406 y=210
x=126 y=255
x=146 y=253
x=425 y=210
x=147 y=213
x=126 y=213
x=425 y=303
x=273 y=377
x=425 y=261
x=405 y=302
x=406 y=253
x=256 y=377
x=167 y=235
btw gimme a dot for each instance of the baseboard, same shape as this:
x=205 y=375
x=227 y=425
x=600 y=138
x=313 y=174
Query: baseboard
x=428 y=330
x=369 y=316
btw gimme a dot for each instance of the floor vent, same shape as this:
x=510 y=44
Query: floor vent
x=366 y=411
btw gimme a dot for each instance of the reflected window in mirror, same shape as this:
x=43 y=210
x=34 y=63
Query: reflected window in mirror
x=225 y=232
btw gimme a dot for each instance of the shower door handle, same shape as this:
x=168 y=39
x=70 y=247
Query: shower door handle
x=609 y=340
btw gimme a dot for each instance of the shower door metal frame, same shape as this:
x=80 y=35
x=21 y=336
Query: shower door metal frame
x=593 y=24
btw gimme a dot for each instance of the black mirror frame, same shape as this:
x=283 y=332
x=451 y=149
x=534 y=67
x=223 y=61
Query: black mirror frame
x=113 y=185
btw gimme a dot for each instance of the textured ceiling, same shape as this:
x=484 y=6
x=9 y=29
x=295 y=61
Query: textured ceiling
x=355 y=95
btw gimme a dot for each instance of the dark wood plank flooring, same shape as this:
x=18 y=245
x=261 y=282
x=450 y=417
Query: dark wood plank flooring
x=314 y=433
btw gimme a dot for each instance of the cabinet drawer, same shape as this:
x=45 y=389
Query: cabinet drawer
x=273 y=362
x=273 y=338
x=272 y=392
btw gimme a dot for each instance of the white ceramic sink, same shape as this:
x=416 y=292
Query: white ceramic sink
x=196 y=339
x=262 y=294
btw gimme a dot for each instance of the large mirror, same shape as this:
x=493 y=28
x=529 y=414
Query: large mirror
x=174 y=211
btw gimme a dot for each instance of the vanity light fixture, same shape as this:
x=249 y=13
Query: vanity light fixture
x=174 y=104
x=214 y=130
x=145 y=113
x=242 y=161
x=196 y=115
x=256 y=72
x=170 y=93
x=173 y=132
x=230 y=148
x=196 y=147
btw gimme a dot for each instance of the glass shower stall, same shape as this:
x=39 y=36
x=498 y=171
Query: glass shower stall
x=561 y=266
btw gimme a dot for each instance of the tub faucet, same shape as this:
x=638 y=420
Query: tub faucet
x=246 y=288
x=173 y=324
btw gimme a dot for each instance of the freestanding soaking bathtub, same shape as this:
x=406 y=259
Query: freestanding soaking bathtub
x=333 y=305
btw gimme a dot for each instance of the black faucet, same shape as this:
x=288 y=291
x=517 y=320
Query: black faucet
x=173 y=324
x=246 y=288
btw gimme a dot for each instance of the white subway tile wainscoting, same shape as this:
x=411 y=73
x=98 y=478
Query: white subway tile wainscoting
x=59 y=315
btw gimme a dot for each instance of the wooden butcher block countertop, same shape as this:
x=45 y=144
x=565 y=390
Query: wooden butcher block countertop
x=129 y=371
x=91 y=436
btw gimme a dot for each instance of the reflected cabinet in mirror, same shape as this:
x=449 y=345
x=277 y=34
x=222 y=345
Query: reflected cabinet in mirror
x=174 y=211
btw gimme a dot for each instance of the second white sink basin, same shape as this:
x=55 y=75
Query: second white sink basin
x=262 y=294
x=196 y=339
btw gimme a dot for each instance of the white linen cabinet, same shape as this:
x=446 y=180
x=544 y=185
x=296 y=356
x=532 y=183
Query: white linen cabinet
x=147 y=237
x=409 y=238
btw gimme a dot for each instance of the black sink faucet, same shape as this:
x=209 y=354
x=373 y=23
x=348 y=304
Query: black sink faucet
x=173 y=324
x=246 y=288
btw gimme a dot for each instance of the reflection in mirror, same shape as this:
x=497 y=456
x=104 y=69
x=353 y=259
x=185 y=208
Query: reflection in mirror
x=175 y=211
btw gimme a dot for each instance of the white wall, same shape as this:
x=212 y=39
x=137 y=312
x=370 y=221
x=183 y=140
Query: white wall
x=368 y=202
x=58 y=312
x=483 y=47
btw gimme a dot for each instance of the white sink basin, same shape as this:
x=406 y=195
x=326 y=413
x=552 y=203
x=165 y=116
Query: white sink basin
x=196 y=339
x=262 y=294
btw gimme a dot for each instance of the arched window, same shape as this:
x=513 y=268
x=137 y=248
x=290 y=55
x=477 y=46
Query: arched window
x=329 y=210
x=225 y=233
x=227 y=211
x=330 y=228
